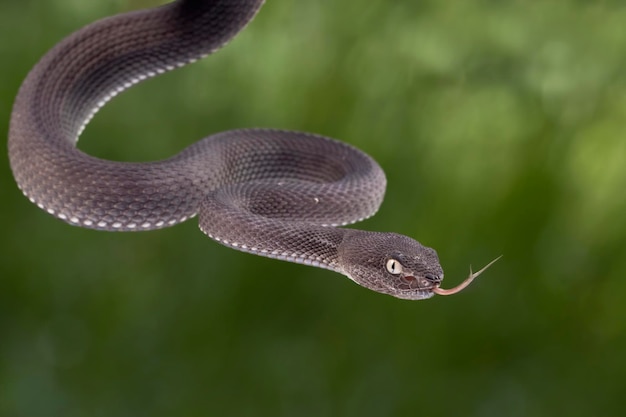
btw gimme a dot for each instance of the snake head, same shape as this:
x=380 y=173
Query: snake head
x=390 y=263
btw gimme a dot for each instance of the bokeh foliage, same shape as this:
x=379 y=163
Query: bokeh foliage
x=502 y=129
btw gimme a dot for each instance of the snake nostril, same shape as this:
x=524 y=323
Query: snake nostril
x=431 y=277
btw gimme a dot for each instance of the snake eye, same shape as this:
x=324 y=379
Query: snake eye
x=394 y=267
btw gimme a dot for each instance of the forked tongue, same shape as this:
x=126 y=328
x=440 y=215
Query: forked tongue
x=464 y=284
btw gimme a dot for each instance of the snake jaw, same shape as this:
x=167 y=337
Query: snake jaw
x=472 y=275
x=418 y=286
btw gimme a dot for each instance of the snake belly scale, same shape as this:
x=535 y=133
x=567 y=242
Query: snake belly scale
x=274 y=193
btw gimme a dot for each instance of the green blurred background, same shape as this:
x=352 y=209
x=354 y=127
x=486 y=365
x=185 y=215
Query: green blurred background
x=502 y=129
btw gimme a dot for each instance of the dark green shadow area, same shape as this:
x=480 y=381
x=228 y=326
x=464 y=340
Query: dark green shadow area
x=502 y=129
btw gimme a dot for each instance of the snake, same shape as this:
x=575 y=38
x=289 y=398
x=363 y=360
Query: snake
x=275 y=193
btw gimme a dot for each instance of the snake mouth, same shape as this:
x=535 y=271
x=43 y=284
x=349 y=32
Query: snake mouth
x=472 y=275
x=427 y=283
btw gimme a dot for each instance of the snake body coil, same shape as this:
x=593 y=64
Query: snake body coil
x=273 y=193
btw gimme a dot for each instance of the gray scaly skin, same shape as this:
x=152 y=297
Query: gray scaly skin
x=272 y=193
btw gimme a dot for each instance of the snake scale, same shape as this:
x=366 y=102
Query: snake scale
x=274 y=193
